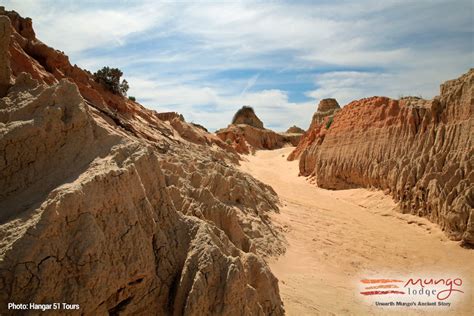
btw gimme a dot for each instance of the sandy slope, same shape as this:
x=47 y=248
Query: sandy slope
x=338 y=237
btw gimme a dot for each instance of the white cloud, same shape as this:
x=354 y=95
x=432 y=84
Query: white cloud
x=250 y=83
x=347 y=86
x=76 y=27
x=173 y=53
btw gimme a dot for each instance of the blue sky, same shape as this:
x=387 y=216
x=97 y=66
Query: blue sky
x=205 y=59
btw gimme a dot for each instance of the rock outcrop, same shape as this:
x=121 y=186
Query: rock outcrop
x=246 y=139
x=295 y=130
x=419 y=151
x=247 y=134
x=196 y=133
x=105 y=205
x=320 y=122
x=247 y=116
x=326 y=107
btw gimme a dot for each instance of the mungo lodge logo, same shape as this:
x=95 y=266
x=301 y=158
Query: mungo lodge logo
x=413 y=292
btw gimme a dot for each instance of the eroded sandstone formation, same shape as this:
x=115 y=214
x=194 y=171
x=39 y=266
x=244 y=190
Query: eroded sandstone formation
x=247 y=134
x=320 y=122
x=196 y=133
x=419 y=151
x=295 y=130
x=247 y=116
x=105 y=205
x=246 y=139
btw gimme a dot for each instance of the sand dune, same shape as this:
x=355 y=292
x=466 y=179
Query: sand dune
x=335 y=238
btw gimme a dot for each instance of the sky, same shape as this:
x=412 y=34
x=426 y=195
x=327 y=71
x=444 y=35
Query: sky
x=205 y=59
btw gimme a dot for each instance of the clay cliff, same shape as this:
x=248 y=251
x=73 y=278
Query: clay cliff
x=247 y=134
x=104 y=204
x=419 y=151
x=320 y=122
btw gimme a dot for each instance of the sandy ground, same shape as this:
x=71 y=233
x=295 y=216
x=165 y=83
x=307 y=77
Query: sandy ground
x=337 y=238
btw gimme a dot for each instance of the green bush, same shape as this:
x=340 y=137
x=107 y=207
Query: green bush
x=110 y=79
x=131 y=98
x=329 y=122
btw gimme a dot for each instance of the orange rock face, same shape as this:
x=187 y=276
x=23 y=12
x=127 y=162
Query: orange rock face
x=246 y=139
x=418 y=150
x=326 y=109
x=168 y=116
x=48 y=65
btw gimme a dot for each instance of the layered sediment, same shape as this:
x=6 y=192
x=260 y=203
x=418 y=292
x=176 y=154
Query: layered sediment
x=247 y=134
x=419 y=151
x=105 y=205
x=320 y=122
x=246 y=139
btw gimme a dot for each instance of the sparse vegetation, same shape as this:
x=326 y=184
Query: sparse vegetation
x=404 y=97
x=329 y=122
x=110 y=79
x=132 y=98
x=228 y=141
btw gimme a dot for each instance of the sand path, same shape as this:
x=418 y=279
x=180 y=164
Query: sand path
x=336 y=238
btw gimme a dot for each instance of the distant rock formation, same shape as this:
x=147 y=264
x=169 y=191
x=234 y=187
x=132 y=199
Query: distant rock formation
x=246 y=115
x=295 y=130
x=320 y=122
x=247 y=134
x=419 y=151
x=245 y=139
x=195 y=133
x=326 y=105
x=105 y=205
x=169 y=116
